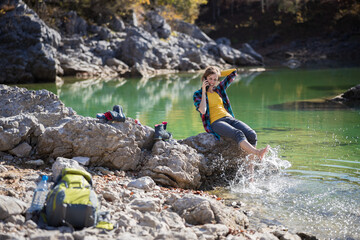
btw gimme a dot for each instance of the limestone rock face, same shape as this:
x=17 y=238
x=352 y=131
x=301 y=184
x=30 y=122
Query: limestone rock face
x=103 y=143
x=17 y=129
x=41 y=120
x=25 y=114
x=16 y=101
x=191 y=30
x=173 y=164
x=220 y=156
x=28 y=46
x=33 y=52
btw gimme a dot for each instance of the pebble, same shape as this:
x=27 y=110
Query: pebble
x=38 y=162
x=82 y=160
x=143 y=211
x=3 y=169
x=104 y=171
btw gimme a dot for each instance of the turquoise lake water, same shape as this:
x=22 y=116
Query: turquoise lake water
x=319 y=193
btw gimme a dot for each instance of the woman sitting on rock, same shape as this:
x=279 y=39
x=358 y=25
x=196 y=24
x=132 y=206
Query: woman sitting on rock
x=215 y=110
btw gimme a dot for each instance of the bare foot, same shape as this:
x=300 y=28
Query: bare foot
x=263 y=152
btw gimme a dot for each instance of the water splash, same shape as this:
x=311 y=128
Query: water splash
x=300 y=203
x=265 y=176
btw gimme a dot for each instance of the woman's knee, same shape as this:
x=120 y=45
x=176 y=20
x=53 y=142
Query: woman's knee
x=239 y=136
x=252 y=137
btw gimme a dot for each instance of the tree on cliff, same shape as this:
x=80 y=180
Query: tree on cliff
x=100 y=10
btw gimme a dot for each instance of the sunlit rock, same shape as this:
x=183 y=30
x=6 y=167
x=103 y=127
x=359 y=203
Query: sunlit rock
x=15 y=101
x=21 y=150
x=62 y=163
x=221 y=157
x=198 y=210
x=103 y=143
x=173 y=164
x=11 y=206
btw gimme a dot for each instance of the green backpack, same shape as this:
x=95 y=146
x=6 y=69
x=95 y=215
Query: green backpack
x=72 y=201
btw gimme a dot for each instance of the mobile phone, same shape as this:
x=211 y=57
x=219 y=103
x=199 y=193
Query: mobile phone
x=207 y=87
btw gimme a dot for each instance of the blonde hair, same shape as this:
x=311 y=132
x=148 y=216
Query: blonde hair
x=209 y=71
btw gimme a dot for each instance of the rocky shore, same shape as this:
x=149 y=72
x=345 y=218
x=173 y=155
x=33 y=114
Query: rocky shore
x=152 y=189
x=31 y=51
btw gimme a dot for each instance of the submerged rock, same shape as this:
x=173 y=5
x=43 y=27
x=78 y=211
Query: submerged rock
x=348 y=100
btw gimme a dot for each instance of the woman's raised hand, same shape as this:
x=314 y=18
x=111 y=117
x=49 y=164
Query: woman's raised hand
x=205 y=83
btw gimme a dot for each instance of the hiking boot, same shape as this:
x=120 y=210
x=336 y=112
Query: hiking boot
x=100 y=116
x=165 y=124
x=120 y=116
x=161 y=133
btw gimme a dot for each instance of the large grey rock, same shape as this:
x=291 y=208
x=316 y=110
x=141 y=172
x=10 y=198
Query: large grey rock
x=17 y=129
x=173 y=164
x=10 y=206
x=246 y=48
x=145 y=205
x=104 y=144
x=137 y=48
x=145 y=183
x=25 y=114
x=62 y=163
x=116 y=24
x=191 y=30
x=83 y=65
x=15 y=101
x=52 y=131
x=28 y=46
x=235 y=57
x=158 y=24
x=198 y=210
x=219 y=156
x=75 y=24
x=21 y=150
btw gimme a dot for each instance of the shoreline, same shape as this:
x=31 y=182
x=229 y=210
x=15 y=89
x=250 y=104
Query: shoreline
x=50 y=134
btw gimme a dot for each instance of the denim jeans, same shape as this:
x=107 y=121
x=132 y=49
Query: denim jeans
x=235 y=129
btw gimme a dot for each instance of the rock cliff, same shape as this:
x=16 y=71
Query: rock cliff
x=33 y=52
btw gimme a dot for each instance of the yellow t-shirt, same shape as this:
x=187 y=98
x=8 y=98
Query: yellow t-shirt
x=216 y=107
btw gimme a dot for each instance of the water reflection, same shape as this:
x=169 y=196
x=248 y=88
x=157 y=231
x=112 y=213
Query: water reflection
x=152 y=100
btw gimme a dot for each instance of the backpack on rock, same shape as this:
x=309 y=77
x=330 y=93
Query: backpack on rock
x=72 y=201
